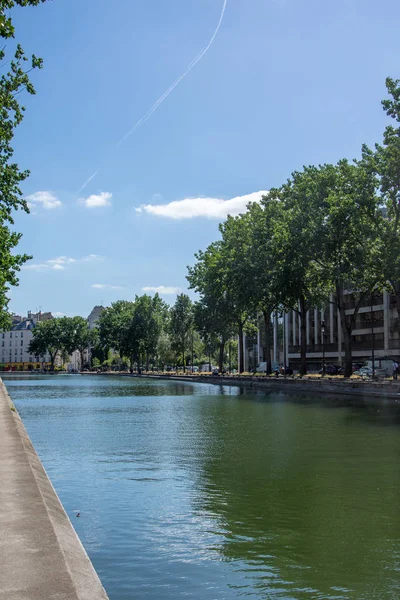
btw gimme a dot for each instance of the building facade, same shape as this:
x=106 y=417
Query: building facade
x=14 y=354
x=376 y=332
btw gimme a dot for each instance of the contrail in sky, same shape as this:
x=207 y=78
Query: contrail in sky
x=165 y=95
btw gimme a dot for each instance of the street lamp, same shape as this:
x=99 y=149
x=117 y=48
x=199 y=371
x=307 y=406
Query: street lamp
x=323 y=346
x=192 y=352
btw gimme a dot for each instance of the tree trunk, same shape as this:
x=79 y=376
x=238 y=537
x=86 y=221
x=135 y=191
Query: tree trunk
x=147 y=361
x=52 y=359
x=267 y=331
x=348 y=355
x=221 y=357
x=346 y=323
x=183 y=359
x=303 y=341
x=241 y=353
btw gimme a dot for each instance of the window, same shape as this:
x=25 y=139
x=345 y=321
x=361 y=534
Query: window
x=2 y=343
x=22 y=334
x=22 y=342
x=10 y=335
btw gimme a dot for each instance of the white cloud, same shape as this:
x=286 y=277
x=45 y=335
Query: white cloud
x=61 y=260
x=97 y=200
x=47 y=199
x=162 y=289
x=106 y=286
x=58 y=314
x=35 y=267
x=60 y=263
x=210 y=208
x=90 y=258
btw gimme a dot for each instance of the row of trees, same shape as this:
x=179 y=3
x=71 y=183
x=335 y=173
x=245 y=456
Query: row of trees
x=61 y=337
x=151 y=333
x=145 y=332
x=327 y=230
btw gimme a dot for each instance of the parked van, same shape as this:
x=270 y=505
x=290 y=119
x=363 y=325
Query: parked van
x=383 y=366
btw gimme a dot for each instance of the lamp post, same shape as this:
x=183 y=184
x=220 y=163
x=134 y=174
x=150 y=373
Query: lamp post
x=323 y=346
x=192 y=352
x=230 y=364
x=373 y=336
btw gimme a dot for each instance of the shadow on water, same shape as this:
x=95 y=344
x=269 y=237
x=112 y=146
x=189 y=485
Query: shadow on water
x=306 y=498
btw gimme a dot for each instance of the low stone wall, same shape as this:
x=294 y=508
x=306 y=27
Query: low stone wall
x=41 y=556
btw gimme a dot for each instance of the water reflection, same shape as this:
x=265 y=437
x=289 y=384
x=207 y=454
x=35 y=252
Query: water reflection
x=212 y=492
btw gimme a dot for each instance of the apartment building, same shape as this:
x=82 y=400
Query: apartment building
x=14 y=354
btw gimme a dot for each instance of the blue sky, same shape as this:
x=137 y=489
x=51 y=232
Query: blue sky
x=285 y=83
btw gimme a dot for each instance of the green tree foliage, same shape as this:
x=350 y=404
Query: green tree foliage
x=47 y=338
x=134 y=328
x=76 y=335
x=12 y=83
x=216 y=277
x=113 y=325
x=181 y=327
x=387 y=156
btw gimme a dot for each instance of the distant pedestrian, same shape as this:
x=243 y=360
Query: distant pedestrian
x=395 y=369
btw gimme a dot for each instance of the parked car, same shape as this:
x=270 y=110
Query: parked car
x=364 y=372
x=331 y=370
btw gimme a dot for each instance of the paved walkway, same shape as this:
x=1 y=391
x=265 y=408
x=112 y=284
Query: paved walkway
x=41 y=557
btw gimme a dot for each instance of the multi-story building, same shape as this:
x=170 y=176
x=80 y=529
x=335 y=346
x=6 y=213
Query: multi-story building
x=376 y=331
x=14 y=354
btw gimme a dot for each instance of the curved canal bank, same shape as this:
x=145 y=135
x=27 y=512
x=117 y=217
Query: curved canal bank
x=41 y=556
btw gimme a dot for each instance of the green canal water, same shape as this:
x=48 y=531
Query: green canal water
x=209 y=492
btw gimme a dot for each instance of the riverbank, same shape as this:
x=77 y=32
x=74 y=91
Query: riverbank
x=41 y=556
x=376 y=389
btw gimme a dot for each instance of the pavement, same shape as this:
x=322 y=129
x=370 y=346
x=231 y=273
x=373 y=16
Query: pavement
x=41 y=556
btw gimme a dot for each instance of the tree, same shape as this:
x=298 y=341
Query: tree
x=149 y=319
x=12 y=84
x=76 y=335
x=47 y=339
x=113 y=325
x=249 y=238
x=387 y=156
x=214 y=323
x=181 y=326
x=214 y=277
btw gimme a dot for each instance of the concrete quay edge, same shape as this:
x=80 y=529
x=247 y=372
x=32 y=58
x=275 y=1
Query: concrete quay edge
x=41 y=555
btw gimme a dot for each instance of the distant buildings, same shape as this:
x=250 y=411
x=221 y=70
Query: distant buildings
x=14 y=353
x=377 y=331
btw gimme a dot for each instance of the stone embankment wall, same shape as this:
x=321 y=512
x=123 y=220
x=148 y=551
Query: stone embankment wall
x=389 y=390
x=41 y=556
